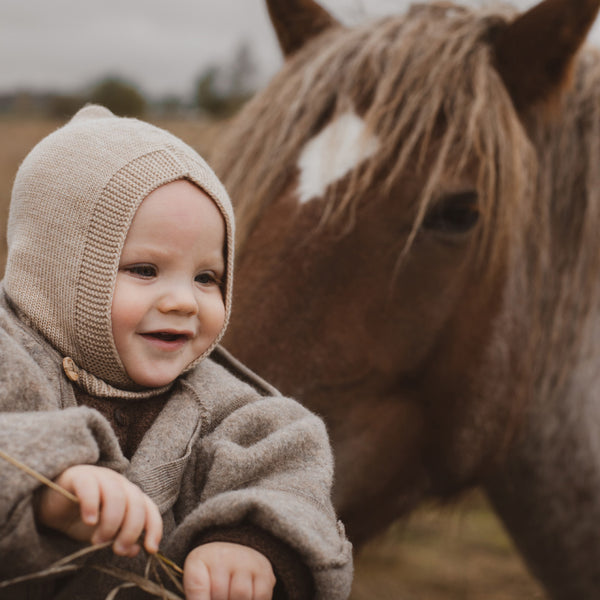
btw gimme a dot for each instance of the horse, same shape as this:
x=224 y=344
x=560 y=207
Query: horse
x=418 y=206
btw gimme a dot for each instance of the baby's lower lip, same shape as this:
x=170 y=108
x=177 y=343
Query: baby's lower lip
x=165 y=341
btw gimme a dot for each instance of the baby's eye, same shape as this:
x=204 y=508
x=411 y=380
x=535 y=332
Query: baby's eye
x=145 y=271
x=207 y=279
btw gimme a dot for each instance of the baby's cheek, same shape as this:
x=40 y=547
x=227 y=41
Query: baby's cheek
x=127 y=304
x=127 y=310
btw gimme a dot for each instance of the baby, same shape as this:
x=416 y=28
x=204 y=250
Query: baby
x=117 y=290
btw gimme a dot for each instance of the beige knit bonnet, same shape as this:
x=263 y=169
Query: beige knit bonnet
x=73 y=201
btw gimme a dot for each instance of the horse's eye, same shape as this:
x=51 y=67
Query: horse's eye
x=456 y=213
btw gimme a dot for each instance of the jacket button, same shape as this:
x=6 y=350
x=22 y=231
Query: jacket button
x=120 y=417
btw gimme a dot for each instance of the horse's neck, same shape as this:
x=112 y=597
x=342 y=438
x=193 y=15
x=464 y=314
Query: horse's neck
x=548 y=491
x=547 y=487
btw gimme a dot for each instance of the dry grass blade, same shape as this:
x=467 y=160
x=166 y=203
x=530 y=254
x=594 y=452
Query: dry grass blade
x=170 y=575
x=66 y=564
x=38 y=476
x=144 y=584
x=50 y=571
x=115 y=591
x=83 y=552
x=164 y=561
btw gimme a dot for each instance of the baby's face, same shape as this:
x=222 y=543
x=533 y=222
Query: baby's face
x=167 y=306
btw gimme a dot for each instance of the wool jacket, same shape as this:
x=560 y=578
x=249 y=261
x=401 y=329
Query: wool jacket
x=224 y=459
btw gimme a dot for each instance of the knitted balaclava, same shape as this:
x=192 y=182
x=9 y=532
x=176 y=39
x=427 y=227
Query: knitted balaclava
x=73 y=201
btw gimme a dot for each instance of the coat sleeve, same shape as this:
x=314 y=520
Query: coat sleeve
x=34 y=431
x=265 y=463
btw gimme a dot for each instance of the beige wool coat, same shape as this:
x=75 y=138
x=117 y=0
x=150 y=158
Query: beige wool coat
x=227 y=458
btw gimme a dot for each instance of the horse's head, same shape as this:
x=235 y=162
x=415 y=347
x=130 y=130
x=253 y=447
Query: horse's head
x=386 y=184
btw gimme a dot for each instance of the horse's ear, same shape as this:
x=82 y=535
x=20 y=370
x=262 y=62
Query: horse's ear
x=534 y=53
x=297 y=21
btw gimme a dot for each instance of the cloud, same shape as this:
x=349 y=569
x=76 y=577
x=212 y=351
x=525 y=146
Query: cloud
x=66 y=44
x=162 y=46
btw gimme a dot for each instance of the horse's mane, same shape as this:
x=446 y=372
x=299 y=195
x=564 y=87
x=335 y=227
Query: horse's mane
x=568 y=211
x=410 y=77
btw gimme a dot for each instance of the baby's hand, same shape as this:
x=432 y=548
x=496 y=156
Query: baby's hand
x=224 y=571
x=110 y=508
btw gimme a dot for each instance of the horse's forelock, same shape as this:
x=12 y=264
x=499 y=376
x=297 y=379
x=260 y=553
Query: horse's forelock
x=401 y=75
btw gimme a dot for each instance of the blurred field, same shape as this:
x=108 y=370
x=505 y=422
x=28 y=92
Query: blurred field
x=459 y=552
x=456 y=553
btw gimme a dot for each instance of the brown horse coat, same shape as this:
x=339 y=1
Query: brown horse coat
x=418 y=205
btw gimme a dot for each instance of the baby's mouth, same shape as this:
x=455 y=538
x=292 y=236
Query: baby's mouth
x=167 y=336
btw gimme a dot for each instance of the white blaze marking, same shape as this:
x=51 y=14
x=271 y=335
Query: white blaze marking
x=333 y=153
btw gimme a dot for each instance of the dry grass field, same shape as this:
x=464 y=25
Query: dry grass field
x=455 y=553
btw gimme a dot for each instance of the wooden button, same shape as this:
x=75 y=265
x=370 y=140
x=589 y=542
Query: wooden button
x=70 y=368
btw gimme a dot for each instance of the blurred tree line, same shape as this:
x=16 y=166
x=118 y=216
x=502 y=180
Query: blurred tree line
x=219 y=91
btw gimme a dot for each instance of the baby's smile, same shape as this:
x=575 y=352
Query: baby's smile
x=168 y=340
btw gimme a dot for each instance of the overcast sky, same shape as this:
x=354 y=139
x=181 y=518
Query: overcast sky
x=161 y=45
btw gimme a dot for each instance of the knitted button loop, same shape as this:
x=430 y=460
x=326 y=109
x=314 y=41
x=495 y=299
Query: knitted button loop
x=70 y=368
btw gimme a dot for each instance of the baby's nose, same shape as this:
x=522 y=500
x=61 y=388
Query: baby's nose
x=179 y=298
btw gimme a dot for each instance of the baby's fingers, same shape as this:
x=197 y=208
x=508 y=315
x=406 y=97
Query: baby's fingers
x=134 y=520
x=153 y=526
x=141 y=518
x=263 y=586
x=87 y=490
x=58 y=512
x=220 y=578
x=113 y=500
x=241 y=586
x=196 y=579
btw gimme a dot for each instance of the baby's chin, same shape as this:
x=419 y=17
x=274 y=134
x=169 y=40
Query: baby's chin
x=149 y=378
x=153 y=379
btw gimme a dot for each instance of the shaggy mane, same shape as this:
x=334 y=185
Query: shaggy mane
x=407 y=75
x=403 y=74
